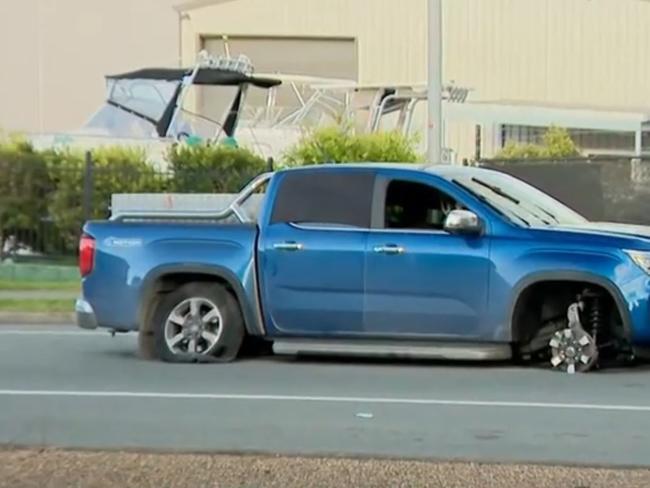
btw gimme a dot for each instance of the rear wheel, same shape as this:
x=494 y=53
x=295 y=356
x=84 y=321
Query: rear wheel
x=198 y=322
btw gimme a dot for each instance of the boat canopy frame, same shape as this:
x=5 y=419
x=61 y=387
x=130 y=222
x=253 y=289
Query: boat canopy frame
x=208 y=71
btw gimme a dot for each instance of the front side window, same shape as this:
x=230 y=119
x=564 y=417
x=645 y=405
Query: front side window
x=416 y=206
x=324 y=198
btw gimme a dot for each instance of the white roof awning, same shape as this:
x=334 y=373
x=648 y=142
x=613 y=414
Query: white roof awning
x=539 y=115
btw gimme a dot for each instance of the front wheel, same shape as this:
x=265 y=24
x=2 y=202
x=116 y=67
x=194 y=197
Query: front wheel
x=198 y=322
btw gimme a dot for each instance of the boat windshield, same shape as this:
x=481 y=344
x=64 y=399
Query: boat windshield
x=134 y=107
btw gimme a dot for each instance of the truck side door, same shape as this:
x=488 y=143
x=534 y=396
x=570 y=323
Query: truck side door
x=421 y=280
x=312 y=252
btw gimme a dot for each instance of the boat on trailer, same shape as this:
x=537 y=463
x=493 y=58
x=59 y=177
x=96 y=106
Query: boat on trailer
x=221 y=99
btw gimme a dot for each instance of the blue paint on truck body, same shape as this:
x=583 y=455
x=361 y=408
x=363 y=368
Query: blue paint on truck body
x=443 y=286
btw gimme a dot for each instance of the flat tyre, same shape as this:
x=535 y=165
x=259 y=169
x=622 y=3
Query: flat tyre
x=198 y=322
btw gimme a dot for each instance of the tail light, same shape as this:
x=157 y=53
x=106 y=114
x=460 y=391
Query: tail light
x=86 y=254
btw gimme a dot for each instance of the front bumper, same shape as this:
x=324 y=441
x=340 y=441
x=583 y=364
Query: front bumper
x=85 y=314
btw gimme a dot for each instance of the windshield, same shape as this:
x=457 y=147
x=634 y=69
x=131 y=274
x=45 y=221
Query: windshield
x=147 y=97
x=112 y=121
x=520 y=202
x=133 y=108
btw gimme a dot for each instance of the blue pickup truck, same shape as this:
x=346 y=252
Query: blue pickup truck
x=374 y=260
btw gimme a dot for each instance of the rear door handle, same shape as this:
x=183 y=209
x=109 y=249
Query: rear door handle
x=288 y=246
x=390 y=249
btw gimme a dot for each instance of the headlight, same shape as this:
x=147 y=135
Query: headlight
x=641 y=259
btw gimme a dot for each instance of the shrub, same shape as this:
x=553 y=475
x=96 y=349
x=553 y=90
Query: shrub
x=115 y=170
x=343 y=145
x=24 y=185
x=556 y=143
x=212 y=168
x=41 y=186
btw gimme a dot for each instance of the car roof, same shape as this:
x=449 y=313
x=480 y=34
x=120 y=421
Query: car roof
x=446 y=171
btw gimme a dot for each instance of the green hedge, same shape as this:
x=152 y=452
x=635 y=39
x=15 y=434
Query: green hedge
x=340 y=144
x=24 y=187
x=556 y=143
x=45 y=189
x=115 y=170
x=212 y=169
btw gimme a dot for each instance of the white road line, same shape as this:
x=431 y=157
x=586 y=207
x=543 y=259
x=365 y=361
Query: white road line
x=324 y=399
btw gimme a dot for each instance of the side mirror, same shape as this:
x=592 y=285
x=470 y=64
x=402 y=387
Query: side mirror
x=463 y=222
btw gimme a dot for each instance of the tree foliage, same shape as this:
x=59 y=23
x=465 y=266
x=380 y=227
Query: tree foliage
x=212 y=169
x=45 y=188
x=556 y=144
x=24 y=185
x=115 y=169
x=340 y=144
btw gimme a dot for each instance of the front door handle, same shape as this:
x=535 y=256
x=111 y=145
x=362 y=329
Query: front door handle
x=390 y=249
x=288 y=246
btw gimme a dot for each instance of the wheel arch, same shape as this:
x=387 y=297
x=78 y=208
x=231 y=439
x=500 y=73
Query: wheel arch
x=529 y=281
x=152 y=286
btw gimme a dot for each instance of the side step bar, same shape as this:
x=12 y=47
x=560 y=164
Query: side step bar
x=411 y=350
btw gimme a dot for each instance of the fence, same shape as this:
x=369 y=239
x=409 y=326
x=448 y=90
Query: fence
x=601 y=189
x=43 y=204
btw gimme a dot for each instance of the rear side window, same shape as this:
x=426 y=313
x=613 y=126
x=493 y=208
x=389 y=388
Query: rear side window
x=325 y=198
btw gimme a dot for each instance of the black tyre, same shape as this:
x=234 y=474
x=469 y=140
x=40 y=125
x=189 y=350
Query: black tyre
x=198 y=322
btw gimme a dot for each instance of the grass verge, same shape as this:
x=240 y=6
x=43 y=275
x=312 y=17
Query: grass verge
x=32 y=306
x=19 y=285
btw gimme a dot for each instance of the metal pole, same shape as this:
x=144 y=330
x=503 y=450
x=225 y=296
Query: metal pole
x=638 y=142
x=434 y=129
x=39 y=67
x=88 y=186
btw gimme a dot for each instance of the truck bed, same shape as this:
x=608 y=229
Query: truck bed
x=130 y=256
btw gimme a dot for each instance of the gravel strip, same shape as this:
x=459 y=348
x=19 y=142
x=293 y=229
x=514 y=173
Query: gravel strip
x=57 y=468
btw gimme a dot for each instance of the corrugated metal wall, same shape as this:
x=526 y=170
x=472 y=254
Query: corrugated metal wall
x=591 y=52
x=384 y=39
x=54 y=55
x=571 y=52
x=567 y=52
x=577 y=51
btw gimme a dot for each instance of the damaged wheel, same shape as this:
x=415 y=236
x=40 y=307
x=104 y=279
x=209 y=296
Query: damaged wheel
x=575 y=327
x=198 y=322
x=573 y=350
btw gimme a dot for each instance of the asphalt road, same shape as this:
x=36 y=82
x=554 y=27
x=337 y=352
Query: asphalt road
x=65 y=387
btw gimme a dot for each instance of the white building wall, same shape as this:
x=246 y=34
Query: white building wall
x=567 y=52
x=54 y=55
x=591 y=52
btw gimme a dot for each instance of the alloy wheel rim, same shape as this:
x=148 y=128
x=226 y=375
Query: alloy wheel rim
x=194 y=326
x=573 y=350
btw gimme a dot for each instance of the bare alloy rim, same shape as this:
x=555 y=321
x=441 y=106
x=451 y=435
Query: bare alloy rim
x=194 y=326
x=573 y=350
